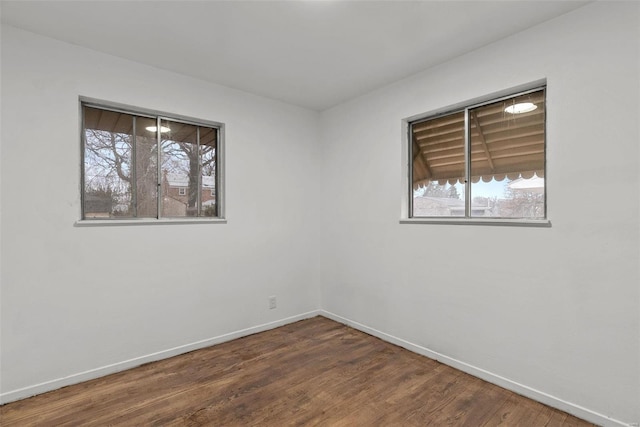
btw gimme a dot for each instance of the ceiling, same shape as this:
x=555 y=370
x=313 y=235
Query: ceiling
x=315 y=54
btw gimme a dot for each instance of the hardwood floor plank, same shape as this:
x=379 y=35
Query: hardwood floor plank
x=315 y=372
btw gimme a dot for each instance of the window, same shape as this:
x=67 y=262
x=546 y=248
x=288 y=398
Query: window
x=485 y=161
x=136 y=164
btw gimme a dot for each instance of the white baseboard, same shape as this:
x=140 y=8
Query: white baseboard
x=540 y=396
x=506 y=383
x=91 y=374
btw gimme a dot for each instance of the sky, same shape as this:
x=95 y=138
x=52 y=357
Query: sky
x=489 y=189
x=492 y=188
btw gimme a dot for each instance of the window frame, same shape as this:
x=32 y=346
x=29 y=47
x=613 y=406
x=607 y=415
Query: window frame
x=406 y=212
x=159 y=116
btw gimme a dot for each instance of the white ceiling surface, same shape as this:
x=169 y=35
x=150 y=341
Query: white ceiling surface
x=314 y=54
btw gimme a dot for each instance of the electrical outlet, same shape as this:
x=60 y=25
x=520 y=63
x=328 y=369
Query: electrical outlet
x=272 y=302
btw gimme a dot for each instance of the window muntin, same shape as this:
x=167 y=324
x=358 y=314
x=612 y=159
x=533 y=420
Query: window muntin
x=481 y=162
x=125 y=175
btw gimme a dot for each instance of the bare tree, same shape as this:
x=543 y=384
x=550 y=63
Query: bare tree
x=188 y=159
x=131 y=173
x=110 y=162
x=522 y=204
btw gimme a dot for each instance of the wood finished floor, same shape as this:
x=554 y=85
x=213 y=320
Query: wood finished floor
x=315 y=372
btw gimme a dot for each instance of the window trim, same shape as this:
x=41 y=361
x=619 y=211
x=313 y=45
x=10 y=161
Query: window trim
x=518 y=222
x=148 y=221
x=158 y=115
x=406 y=208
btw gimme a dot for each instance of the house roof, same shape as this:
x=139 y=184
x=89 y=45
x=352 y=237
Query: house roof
x=182 y=180
x=535 y=184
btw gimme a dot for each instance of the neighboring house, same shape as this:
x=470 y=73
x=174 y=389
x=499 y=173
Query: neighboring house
x=175 y=198
x=426 y=206
x=173 y=208
x=176 y=193
x=437 y=206
x=532 y=185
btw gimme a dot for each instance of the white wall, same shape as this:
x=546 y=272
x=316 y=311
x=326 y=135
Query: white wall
x=553 y=309
x=77 y=299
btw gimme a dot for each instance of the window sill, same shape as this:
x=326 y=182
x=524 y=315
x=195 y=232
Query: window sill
x=146 y=221
x=477 y=221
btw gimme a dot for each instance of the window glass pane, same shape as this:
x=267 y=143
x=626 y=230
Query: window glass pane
x=180 y=167
x=438 y=166
x=146 y=161
x=208 y=144
x=108 y=142
x=507 y=158
x=128 y=173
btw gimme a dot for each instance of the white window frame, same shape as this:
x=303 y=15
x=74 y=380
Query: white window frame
x=160 y=115
x=407 y=187
x=182 y=191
